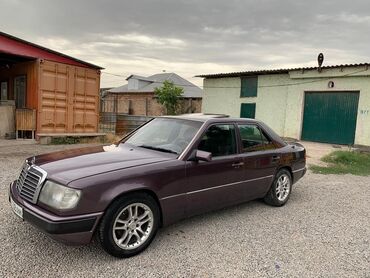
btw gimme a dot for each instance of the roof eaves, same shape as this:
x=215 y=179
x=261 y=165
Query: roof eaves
x=275 y=71
x=49 y=50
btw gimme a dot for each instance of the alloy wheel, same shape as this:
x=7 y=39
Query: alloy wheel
x=283 y=187
x=132 y=226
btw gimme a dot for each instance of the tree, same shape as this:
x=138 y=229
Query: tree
x=168 y=95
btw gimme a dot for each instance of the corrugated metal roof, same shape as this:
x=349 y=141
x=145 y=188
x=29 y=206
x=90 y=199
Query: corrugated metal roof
x=275 y=71
x=139 y=77
x=42 y=51
x=156 y=80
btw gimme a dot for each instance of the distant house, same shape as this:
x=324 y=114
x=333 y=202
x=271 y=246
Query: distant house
x=44 y=92
x=330 y=105
x=137 y=96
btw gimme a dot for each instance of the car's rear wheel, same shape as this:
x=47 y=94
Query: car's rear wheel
x=129 y=225
x=280 y=189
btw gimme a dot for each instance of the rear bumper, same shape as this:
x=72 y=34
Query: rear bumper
x=70 y=229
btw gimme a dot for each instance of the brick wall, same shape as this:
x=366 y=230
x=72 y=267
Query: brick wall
x=144 y=104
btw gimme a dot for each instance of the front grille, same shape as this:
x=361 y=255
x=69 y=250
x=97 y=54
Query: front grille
x=30 y=181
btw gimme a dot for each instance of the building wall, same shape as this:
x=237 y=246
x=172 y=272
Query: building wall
x=144 y=104
x=7 y=125
x=281 y=106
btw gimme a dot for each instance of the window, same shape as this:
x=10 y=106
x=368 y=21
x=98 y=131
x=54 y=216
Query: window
x=248 y=110
x=248 y=86
x=4 y=91
x=269 y=145
x=253 y=139
x=20 y=91
x=166 y=134
x=219 y=140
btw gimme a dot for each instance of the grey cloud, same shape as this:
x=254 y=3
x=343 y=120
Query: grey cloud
x=196 y=36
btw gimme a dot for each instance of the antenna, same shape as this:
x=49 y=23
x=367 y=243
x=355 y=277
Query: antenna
x=320 y=60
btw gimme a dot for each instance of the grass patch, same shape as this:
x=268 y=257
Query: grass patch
x=344 y=162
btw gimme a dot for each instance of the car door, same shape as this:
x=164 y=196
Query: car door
x=261 y=159
x=215 y=184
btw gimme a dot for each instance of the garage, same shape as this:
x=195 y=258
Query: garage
x=330 y=117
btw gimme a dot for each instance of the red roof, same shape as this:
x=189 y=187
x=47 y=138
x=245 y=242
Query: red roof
x=16 y=46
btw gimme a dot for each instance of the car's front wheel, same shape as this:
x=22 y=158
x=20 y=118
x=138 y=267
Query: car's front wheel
x=280 y=189
x=129 y=225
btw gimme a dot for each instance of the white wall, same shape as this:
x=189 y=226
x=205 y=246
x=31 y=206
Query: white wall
x=280 y=97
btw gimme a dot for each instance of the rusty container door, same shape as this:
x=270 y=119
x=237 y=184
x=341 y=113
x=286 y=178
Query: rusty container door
x=68 y=99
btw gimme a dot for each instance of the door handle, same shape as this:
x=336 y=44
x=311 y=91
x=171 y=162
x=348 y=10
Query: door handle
x=237 y=164
x=275 y=158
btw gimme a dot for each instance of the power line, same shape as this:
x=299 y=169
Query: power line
x=113 y=74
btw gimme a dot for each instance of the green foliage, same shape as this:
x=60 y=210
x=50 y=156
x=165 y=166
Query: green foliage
x=168 y=95
x=345 y=162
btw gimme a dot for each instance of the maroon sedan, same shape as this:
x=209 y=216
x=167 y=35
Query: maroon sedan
x=168 y=169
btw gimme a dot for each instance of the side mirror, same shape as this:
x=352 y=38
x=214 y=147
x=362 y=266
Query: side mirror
x=202 y=156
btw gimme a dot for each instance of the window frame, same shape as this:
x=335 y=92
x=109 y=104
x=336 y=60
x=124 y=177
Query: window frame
x=4 y=81
x=237 y=139
x=262 y=131
x=25 y=91
x=250 y=94
x=248 y=104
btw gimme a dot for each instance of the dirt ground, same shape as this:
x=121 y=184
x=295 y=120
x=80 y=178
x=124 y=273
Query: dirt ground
x=315 y=151
x=323 y=231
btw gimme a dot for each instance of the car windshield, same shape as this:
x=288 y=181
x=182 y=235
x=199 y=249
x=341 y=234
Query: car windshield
x=165 y=135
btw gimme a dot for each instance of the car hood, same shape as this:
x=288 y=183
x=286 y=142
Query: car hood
x=66 y=166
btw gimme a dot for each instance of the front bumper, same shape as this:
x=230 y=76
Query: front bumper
x=69 y=229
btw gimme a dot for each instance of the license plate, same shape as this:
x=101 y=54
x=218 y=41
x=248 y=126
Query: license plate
x=18 y=210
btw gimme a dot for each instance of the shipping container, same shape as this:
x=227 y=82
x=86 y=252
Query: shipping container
x=57 y=92
x=68 y=98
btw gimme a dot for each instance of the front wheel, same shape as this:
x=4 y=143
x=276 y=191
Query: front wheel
x=280 y=189
x=129 y=225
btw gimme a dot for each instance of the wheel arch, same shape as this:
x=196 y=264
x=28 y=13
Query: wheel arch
x=286 y=167
x=143 y=191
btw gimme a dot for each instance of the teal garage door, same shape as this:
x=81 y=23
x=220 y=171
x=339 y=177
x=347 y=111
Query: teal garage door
x=330 y=117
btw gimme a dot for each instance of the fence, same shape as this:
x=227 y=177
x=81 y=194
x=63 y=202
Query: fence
x=127 y=123
x=122 y=113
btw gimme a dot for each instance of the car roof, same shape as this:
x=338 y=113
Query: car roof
x=222 y=118
x=207 y=117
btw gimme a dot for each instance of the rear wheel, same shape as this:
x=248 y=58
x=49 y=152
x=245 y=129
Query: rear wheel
x=280 y=189
x=129 y=225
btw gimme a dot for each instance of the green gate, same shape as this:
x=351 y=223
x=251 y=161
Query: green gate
x=330 y=117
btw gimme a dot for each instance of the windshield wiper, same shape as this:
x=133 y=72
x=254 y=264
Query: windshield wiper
x=157 y=149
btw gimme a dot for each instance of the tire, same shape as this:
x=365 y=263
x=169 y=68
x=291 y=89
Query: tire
x=119 y=233
x=280 y=189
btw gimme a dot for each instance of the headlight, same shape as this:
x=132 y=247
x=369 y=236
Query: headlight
x=59 y=196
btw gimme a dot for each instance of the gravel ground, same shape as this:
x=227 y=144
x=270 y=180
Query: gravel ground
x=323 y=231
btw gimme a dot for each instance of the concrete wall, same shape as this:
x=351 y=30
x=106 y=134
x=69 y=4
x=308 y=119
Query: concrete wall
x=280 y=97
x=7 y=124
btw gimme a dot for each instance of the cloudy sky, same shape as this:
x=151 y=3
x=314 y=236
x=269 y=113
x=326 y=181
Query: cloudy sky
x=193 y=36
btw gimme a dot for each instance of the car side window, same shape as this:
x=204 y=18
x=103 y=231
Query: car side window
x=252 y=138
x=219 y=140
x=268 y=144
